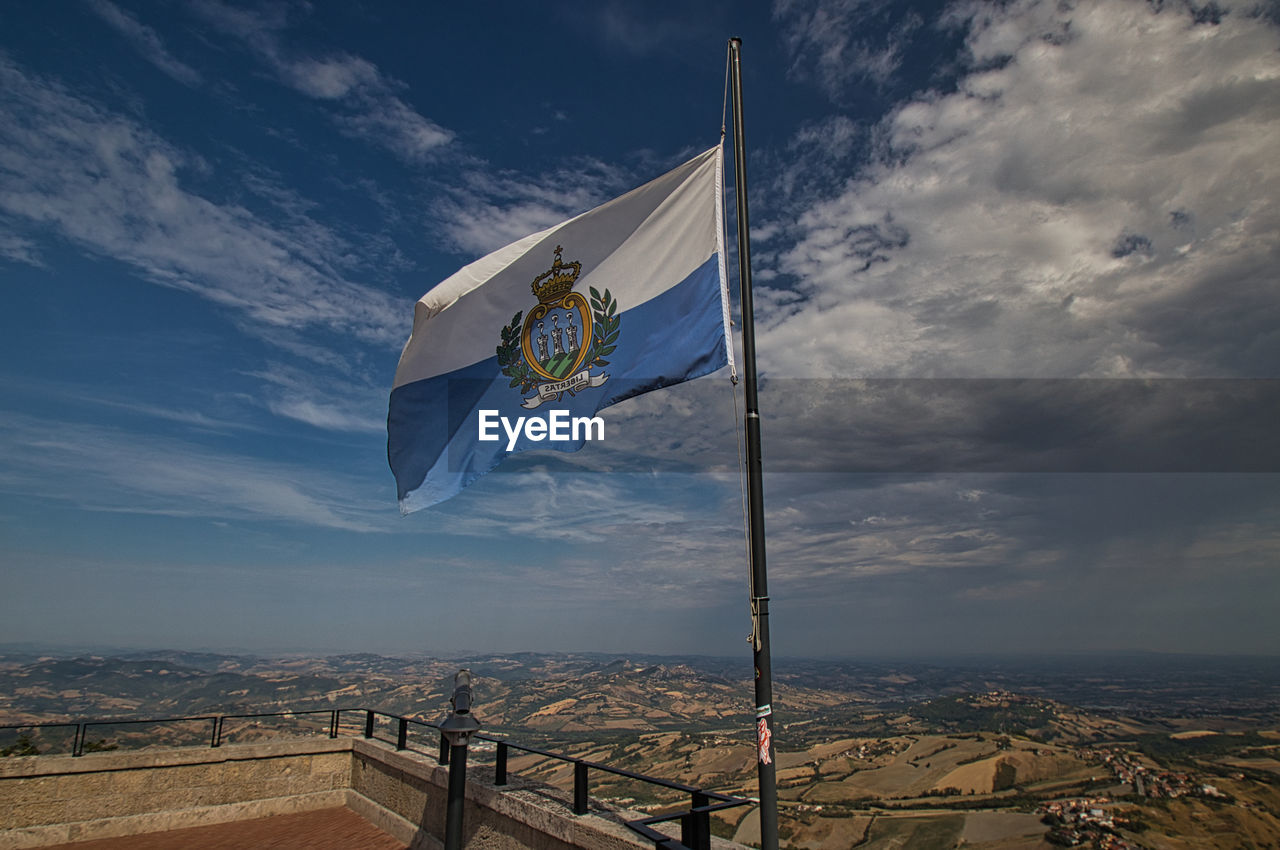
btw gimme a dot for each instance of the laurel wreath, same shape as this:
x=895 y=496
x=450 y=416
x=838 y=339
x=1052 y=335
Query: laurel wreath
x=513 y=365
x=604 y=329
x=604 y=336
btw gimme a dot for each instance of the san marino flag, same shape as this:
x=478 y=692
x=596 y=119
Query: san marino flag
x=520 y=349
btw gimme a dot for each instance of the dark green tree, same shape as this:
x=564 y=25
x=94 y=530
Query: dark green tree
x=23 y=747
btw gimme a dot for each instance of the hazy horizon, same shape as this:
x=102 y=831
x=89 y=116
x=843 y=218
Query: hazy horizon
x=105 y=651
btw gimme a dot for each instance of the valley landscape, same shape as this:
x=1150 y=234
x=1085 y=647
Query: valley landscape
x=1153 y=751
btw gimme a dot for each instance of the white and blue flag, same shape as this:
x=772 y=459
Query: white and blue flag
x=624 y=299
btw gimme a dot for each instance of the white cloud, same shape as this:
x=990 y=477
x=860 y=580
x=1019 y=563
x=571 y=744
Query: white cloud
x=113 y=187
x=833 y=136
x=367 y=103
x=327 y=403
x=184 y=416
x=102 y=469
x=639 y=30
x=392 y=123
x=1099 y=197
x=490 y=210
x=146 y=41
x=600 y=539
x=826 y=531
x=330 y=79
x=19 y=249
x=823 y=38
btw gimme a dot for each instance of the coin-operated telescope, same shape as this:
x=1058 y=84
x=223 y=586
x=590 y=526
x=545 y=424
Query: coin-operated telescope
x=461 y=724
x=458 y=728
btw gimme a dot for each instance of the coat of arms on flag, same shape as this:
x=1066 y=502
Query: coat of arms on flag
x=561 y=335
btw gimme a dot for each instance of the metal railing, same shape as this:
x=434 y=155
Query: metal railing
x=695 y=822
x=216 y=728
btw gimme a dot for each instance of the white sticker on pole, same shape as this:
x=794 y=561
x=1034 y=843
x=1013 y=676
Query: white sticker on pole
x=764 y=737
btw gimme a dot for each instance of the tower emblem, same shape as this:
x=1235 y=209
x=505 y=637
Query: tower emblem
x=562 y=338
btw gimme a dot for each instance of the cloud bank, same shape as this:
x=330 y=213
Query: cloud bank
x=1097 y=197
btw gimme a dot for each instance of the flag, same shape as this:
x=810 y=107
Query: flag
x=520 y=349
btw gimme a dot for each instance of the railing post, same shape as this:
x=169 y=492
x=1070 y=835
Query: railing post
x=500 y=765
x=215 y=734
x=688 y=832
x=333 y=724
x=445 y=747
x=77 y=745
x=402 y=734
x=701 y=822
x=368 y=724
x=579 y=788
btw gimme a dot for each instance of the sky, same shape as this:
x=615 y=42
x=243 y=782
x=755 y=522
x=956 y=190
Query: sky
x=1017 y=284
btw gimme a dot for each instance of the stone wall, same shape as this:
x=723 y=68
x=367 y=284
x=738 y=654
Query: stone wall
x=56 y=799
x=521 y=814
x=53 y=799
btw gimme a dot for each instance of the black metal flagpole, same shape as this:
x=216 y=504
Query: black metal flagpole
x=755 y=494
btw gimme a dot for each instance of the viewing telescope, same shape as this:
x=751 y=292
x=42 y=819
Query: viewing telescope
x=461 y=724
x=458 y=728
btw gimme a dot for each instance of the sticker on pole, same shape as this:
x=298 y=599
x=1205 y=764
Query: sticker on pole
x=765 y=739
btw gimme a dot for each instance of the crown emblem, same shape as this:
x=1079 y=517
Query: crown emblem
x=555 y=283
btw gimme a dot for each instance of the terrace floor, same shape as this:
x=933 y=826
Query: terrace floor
x=323 y=829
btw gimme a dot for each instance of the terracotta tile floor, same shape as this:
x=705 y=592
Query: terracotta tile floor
x=324 y=829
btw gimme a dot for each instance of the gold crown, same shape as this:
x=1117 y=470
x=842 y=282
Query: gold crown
x=556 y=282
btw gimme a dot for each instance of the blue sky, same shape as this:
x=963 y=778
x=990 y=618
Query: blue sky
x=1017 y=301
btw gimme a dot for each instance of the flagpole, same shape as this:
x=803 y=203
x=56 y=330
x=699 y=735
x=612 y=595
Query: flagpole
x=767 y=770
